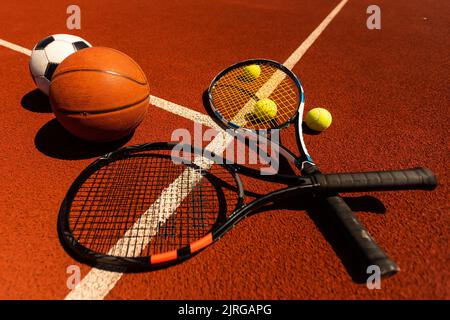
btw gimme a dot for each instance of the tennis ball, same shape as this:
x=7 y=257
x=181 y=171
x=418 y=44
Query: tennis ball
x=265 y=109
x=252 y=72
x=318 y=119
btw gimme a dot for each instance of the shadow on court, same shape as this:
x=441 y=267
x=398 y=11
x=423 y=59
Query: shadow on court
x=329 y=225
x=54 y=141
x=331 y=229
x=36 y=101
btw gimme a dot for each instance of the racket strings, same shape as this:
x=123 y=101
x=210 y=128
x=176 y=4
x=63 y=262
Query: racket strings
x=146 y=204
x=236 y=94
x=192 y=220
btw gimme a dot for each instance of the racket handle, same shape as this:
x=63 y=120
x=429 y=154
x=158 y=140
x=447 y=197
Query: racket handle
x=360 y=237
x=408 y=179
x=357 y=236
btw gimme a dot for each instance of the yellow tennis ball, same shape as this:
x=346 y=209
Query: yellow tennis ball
x=265 y=109
x=318 y=119
x=252 y=72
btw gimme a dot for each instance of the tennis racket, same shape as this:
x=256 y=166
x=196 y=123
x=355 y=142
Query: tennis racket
x=233 y=98
x=153 y=205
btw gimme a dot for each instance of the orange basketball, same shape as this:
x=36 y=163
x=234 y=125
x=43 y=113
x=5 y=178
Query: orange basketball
x=99 y=94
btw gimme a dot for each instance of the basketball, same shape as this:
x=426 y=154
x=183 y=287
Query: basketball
x=99 y=94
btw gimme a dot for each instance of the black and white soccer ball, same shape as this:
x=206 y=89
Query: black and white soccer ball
x=49 y=53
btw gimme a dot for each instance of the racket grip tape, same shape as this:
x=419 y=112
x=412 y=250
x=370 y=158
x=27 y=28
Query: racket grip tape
x=408 y=179
x=360 y=237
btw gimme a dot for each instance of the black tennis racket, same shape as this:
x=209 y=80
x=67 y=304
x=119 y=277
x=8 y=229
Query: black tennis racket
x=151 y=205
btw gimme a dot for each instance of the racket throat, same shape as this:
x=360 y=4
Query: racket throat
x=273 y=197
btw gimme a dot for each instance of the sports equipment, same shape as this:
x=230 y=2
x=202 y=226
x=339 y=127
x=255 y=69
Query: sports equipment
x=48 y=53
x=99 y=94
x=155 y=204
x=318 y=119
x=231 y=102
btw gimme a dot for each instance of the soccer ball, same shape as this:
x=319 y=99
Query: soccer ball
x=49 y=53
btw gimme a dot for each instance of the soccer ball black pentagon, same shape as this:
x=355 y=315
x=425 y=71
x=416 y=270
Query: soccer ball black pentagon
x=49 y=53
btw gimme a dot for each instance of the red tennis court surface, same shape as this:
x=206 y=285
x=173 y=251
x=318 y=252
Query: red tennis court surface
x=388 y=93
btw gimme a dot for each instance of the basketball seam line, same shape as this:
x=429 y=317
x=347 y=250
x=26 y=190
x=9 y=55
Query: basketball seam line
x=104 y=111
x=101 y=71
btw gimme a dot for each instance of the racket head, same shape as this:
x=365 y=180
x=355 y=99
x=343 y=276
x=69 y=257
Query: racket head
x=138 y=209
x=234 y=92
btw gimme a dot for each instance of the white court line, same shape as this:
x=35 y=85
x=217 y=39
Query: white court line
x=300 y=51
x=185 y=112
x=97 y=283
x=15 y=47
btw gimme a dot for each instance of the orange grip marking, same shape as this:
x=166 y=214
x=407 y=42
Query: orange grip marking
x=201 y=243
x=163 y=257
